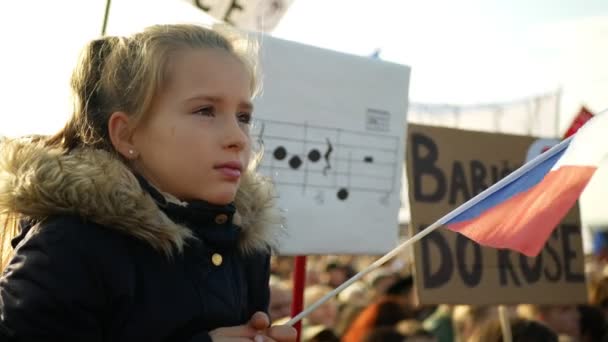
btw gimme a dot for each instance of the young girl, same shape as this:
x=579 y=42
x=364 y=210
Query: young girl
x=142 y=220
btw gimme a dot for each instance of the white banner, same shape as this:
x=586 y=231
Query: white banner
x=535 y=116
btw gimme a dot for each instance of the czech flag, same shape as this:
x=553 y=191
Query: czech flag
x=520 y=211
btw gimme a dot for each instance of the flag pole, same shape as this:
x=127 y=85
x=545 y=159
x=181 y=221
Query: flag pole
x=105 y=18
x=465 y=206
x=505 y=324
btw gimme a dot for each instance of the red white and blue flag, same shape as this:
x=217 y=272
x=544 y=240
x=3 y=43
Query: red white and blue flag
x=521 y=211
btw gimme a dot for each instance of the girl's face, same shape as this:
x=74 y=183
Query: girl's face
x=195 y=142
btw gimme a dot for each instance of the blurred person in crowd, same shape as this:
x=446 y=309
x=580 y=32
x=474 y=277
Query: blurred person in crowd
x=598 y=294
x=466 y=318
x=281 y=266
x=380 y=280
x=413 y=330
x=563 y=319
x=347 y=314
x=384 y=312
x=522 y=330
x=351 y=301
x=319 y=333
x=592 y=323
x=440 y=323
x=337 y=273
x=403 y=291
x=325 y=314
x=313 y=276
x=357 y=293
x=280 y=299
x=384 y=334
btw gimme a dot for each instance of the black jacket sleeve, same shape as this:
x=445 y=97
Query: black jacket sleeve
x=50 y=290
x=258 y=280
x=201 y=337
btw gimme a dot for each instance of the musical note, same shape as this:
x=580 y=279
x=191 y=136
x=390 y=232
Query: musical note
x=326 y=156
x=295 y=162
x=279 y=153
x=261 y=136
x=342 y=194
x=314 y=155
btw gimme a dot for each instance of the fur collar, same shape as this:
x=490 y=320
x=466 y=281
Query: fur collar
x=37 y=182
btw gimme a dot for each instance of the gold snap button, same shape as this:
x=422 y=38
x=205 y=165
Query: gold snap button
x=217 y=259
x=221 y=218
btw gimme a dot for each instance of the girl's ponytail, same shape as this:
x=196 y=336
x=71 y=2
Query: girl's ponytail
x=88 y=125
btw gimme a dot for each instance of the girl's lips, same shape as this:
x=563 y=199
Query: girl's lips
x=229 y=172
x=231 y=165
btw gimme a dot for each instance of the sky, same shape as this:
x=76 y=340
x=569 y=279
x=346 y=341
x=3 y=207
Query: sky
x=41 y=42
x=460 y=52
x=471 y=51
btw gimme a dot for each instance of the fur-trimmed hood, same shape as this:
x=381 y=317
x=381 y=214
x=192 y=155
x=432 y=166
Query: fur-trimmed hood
x=38 y=181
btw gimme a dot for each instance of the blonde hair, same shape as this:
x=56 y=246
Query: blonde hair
x=127 y=73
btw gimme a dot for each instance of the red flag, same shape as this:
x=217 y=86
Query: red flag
x=583 y=116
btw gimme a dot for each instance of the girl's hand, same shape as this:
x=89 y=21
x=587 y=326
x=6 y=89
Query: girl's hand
x=256 y=330
x=240 y=333
x=279 y=333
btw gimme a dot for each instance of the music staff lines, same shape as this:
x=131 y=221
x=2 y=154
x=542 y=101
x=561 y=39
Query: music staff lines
x=299 y=125
x=377 y=163
x=320 y=142
x=352 y=174
x=355 y=188
x=315 y=157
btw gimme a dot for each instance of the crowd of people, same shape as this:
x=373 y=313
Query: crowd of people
x=383 y=306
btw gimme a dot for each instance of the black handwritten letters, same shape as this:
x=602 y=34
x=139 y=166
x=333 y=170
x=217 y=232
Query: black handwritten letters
x=233 y=6
x=553 y=265
x=464 y=180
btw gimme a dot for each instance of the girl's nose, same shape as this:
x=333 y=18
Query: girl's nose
x=236 y=137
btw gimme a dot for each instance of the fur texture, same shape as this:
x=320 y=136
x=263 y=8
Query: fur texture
x=38 y=182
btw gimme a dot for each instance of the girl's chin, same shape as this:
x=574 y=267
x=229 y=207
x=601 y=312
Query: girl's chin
x=221 y=199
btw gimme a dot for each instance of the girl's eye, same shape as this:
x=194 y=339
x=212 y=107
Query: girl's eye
x=205 y=111
x=244 y=118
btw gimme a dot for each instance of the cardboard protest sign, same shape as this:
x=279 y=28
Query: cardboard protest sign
x=445 y=168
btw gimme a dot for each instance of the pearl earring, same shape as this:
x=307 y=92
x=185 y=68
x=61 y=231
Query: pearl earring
x=131 y=152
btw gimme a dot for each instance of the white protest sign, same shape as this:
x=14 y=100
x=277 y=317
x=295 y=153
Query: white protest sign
x=251 y=15
x=332 y=126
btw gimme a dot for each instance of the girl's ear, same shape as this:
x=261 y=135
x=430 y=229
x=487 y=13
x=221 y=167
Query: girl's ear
x=120 y=132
